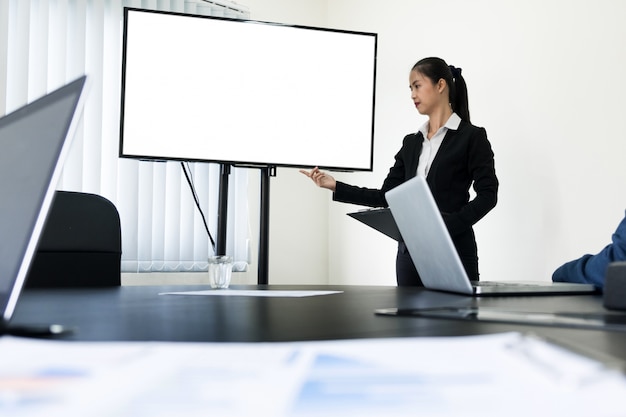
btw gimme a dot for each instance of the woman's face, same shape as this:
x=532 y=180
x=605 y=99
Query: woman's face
x=425 y=94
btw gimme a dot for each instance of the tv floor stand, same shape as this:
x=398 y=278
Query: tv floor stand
x=222 y=218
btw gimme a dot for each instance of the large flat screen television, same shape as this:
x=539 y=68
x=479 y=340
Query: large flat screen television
x=244 y=92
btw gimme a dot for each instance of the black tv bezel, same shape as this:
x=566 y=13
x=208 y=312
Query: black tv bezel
x=242 y=163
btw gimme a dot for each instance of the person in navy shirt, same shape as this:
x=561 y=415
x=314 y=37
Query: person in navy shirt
x=591 y=269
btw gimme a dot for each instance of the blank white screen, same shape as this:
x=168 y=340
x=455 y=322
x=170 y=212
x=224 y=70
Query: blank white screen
x=198 y=88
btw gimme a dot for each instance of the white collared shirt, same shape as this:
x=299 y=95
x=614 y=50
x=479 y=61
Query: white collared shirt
x=431 y=146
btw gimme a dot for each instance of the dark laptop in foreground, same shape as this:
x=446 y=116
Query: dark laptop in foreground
x=425 y=234
x=34 y=141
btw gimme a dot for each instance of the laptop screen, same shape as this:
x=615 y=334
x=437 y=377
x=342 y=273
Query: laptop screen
x=33 y=142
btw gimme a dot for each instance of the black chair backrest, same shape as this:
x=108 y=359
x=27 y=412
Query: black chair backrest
x=81 y=244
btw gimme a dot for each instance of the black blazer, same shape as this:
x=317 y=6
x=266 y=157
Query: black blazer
x=464 y=158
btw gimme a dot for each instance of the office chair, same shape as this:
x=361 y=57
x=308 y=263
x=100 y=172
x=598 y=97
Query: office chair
x=81 y=244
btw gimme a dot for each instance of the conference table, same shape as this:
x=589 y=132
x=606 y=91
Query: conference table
x=262 y=352
x=150 y=313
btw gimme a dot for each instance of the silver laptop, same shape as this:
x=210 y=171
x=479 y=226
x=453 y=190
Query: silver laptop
x=34 y=140
x=427 y=239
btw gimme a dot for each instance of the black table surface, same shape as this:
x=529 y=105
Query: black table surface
x=140 y=313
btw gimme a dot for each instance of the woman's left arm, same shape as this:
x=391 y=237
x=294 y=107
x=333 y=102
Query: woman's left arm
x=481 y=168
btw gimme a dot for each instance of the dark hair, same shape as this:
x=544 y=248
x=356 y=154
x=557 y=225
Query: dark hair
x=436 y=69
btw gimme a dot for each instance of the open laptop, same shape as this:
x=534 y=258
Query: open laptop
x=427 y=239
x=34 y=140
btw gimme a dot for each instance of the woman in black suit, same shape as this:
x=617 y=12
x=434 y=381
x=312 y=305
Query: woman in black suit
x=449 y=151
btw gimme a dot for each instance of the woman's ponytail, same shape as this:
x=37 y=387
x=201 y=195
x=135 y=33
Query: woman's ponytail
x=458 y=94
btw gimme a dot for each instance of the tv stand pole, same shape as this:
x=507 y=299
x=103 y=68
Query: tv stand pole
x=264 y=241
x=222 y=210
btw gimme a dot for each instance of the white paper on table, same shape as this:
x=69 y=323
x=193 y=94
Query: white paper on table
x=254 y=293
x=506 y=374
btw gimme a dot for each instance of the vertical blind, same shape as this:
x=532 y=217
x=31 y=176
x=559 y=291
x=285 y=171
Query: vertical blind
x=46 y=43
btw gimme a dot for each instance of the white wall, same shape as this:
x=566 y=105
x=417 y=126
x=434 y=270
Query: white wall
x=545 y=78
